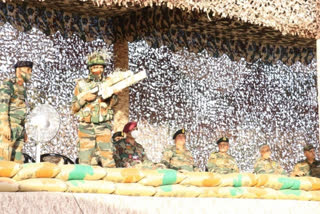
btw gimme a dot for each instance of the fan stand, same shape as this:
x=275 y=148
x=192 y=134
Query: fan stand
x=38 y=152
x=43 y=118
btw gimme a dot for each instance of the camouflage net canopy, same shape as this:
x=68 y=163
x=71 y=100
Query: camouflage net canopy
x=175 y=28
x=295 y=17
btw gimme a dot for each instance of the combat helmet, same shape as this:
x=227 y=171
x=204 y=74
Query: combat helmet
x=96 y=58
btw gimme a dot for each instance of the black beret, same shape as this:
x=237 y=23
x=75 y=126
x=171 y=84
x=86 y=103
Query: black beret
x=223 y=139
x=117 y=134
x=181 y=131
x=23 y=64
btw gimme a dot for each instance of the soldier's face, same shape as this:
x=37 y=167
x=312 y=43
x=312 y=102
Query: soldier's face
x=24 y=73
x=223 y=147
x=117 y=138
x=265 y=152
x=180 y=139
x=96 y=69
x=310 y=155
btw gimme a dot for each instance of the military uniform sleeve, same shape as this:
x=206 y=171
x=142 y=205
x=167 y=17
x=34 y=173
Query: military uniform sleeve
x=142 y=153
x=211 y=165
x=6 y=91
x=301 y=169
x=166 y=157
x=77 y=100
x=122 y=155
x=259 y=168
x=235 y=166
x=116 y=155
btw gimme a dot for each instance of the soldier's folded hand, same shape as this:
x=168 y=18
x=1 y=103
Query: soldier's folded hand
x=90 y=96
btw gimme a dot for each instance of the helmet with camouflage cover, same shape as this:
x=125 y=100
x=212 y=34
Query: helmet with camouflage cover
x=96 y=60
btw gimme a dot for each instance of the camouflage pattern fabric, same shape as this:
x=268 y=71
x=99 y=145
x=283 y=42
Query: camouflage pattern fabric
x=268 y=166
x=302 y=168
x=12 y=114
x=127 y=153
x=173 y=28
x=95 y=144
x=96 y=111
x=178 y=160
x=222 y=163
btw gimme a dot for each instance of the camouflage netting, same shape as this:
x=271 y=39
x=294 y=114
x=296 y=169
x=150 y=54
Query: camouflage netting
x=175 y=29
x=298 y=17
x=158 y=183
x=252 y=103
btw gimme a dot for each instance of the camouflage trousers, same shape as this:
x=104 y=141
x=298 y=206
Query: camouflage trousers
x=95 y=144
x=11 y=150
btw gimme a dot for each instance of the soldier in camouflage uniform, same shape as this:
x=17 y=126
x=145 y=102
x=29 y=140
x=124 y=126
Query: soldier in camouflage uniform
x=13 y=111
x=177 y=156
x=129 y=153
x=264 y=164
x=96 y=115
x=302 y=168
x=221 y=162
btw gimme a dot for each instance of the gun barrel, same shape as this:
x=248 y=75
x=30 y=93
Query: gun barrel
x=129 y=81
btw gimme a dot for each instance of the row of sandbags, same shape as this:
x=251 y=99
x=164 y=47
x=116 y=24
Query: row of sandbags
x=154 y=178
x=136 y=189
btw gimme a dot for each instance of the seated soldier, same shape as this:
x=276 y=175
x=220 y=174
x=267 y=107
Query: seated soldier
x=177 y=156
x=303 y=168
x=128 y=152
x=264 y=164
x=221 y=162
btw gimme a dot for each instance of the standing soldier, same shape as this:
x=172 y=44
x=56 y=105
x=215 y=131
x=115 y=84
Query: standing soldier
x=13 y=111
x=304 y=167
x=96 y=115
x=177 y=156
x=221 y=162
x=129 y=153
x=265 y=165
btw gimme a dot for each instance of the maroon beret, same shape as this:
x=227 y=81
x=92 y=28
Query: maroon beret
x=129 y=127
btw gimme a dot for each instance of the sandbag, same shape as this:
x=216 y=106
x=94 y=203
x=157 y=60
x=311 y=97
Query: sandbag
x=201 y=179
x=8 y=185
x=161 y=177
x=278 y=182
x=289 y=194
x=177 y=190
x=315 y=195
x=133 y=189
x=37 y=170
x=123 y=175
x=9 y=168
x=81 y=186
x=238 y=180
x=81 y=172
x=315 y=183
x=42 y=184
x=228 y=192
